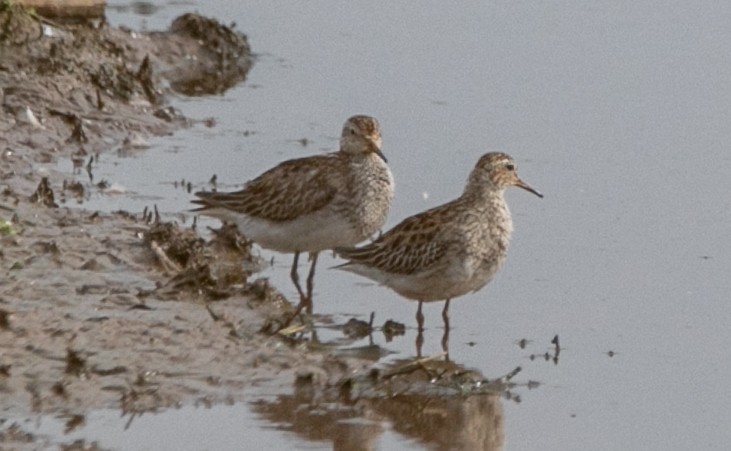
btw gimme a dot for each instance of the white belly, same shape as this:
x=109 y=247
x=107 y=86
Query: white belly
x=448 y=281
x=311 y=233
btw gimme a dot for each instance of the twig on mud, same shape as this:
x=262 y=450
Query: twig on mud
x=213 y=315
x=144 y=76
x=291 y=330
x=166 y=262
x=508 y=377
x=4 y=321
x=413 y=366
x=99 y=101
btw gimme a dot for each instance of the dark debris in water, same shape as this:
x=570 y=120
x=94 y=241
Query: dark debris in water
x=75 y=187
x=75 y=364
x=356 y=328
x=74 y=422
x=59 y=389
x=393 y=329
x=550 y=355
x=14 y=434
x=44 y=194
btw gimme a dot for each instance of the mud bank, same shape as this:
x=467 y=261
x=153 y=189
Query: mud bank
x=110 y=309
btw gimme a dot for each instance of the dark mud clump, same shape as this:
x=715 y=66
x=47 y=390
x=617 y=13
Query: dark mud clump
x=223 y=66
x=212 y=270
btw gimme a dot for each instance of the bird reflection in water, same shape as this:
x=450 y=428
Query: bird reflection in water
x=437 y=402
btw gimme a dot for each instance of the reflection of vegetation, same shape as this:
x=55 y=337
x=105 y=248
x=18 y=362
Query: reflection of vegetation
x=432 y=400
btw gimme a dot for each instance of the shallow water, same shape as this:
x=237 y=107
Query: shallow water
x=617 y=112
x=266 y=425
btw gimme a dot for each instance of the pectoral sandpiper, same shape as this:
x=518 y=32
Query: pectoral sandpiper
x=450 y=250
x=315 y=203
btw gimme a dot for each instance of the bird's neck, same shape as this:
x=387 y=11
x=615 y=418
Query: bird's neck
x=490 y=205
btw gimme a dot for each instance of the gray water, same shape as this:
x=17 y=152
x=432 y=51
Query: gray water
x=617 y=111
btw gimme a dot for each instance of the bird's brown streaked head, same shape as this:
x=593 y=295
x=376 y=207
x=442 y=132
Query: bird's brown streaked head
x=498 y=169
x=361 y=135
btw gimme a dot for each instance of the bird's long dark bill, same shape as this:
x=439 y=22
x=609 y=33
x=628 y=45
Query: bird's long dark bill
x=527 y=187
x=378 y=152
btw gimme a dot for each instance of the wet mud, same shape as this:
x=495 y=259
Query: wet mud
x=128 y=310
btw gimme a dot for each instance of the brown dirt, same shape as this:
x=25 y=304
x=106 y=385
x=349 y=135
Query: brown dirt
x=123 y=310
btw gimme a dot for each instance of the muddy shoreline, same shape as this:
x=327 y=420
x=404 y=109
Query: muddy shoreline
x=126 y=310
x=111 y=310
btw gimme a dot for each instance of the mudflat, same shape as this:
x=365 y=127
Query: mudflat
x=129 y=310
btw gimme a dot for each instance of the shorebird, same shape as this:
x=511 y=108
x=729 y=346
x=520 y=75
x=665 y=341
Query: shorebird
x=314 y=203
x=449 y=250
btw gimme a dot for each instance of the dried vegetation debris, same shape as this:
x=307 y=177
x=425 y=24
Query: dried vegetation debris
x=44 y=194
x=214 y=269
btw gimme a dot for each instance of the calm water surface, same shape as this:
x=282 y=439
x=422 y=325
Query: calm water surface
x=617 y=112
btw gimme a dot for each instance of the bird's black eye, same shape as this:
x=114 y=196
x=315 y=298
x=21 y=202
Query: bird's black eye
x=352 y=131
x=510 y=166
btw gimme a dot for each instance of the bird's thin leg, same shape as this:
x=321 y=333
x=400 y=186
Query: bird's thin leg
x=420 y=330
x=311 y=280
x=303 y=299
x=420 y=317
x=445 y=337
x=295 y=276
x=297 y=312
x=445 y=314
